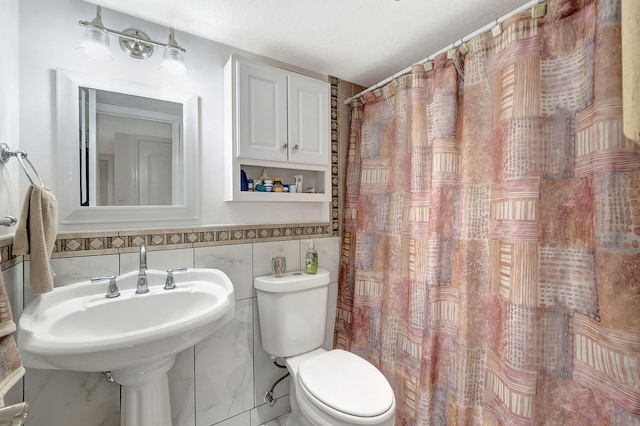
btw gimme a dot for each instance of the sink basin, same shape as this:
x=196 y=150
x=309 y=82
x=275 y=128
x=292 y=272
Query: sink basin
x=135 y=337
x=76 y=328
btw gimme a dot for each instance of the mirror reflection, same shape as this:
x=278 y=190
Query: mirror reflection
x=130 y=149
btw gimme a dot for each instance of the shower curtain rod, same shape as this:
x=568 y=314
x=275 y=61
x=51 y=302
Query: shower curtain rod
x=458 y=43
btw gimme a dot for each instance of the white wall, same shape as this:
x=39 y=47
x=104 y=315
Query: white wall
x=10 y=202
x=49 y=33
x=9 y=101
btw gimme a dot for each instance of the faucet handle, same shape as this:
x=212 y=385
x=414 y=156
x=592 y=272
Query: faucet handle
x=170 y=284
x=112 y=290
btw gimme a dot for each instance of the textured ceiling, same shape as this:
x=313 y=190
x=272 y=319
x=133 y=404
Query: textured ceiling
x=361 y=41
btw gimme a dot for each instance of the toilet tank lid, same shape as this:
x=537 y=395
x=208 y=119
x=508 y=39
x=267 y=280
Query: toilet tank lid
x=347 y=383
x=292 y=281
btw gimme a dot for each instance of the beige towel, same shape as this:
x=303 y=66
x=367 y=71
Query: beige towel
x=36 y=235
x=11 y=369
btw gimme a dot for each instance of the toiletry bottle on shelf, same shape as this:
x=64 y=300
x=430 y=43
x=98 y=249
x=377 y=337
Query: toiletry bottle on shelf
x=264 y=176
x=298 y=180
x=311 y=260
x=244 y=184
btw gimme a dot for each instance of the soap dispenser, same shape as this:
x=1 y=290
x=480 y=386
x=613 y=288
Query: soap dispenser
x=311 y=260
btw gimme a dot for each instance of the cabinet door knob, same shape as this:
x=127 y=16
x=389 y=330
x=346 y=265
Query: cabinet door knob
x=284 y=146
x=295 y=147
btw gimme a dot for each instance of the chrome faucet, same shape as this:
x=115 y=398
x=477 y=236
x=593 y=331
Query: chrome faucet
x=112 y=290
x=142 y=286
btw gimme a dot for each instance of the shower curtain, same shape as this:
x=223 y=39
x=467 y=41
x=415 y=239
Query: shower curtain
x=490 y=259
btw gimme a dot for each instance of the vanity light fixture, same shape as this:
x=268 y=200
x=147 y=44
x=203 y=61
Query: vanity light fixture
x=95 y=43
x=133 y=42
x=172 y=63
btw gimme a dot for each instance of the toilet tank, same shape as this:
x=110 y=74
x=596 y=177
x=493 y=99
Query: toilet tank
x=293 y=311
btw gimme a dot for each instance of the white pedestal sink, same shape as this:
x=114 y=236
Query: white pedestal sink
x=135 y=336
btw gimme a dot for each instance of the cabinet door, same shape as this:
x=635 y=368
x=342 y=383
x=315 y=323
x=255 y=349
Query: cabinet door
x=262 y=112
x=308 y=120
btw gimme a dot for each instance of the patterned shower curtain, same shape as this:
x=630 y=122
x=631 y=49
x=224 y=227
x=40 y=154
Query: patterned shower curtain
x=490 y=261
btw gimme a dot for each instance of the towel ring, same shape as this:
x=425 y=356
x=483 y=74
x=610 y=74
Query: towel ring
x=6 y=153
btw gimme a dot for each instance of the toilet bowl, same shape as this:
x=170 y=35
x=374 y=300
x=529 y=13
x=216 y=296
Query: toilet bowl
x=338 y=388
x=327 y=388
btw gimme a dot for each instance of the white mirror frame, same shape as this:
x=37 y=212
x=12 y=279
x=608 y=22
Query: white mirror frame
x=68 y=164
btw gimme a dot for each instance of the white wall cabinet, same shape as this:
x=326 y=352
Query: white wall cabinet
x=278 y=120
x=261 y=107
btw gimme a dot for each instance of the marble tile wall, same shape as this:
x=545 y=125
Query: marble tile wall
x=221 y=381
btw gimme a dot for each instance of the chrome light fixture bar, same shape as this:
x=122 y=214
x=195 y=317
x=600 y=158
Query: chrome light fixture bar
x=133 y=42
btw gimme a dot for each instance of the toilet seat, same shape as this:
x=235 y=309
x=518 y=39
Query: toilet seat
x=347 y=387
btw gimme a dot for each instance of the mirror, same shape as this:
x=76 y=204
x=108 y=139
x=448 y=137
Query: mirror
x=130 y=149
x=123 y=149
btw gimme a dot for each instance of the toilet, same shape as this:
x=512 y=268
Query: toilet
x=327 y=388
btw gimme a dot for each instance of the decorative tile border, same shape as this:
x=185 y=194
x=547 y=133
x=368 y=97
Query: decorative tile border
x=335 y=149
x=6 y=257
x=101 y=243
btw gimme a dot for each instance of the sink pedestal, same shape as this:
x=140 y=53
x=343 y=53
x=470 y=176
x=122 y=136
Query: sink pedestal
x=145 y=391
